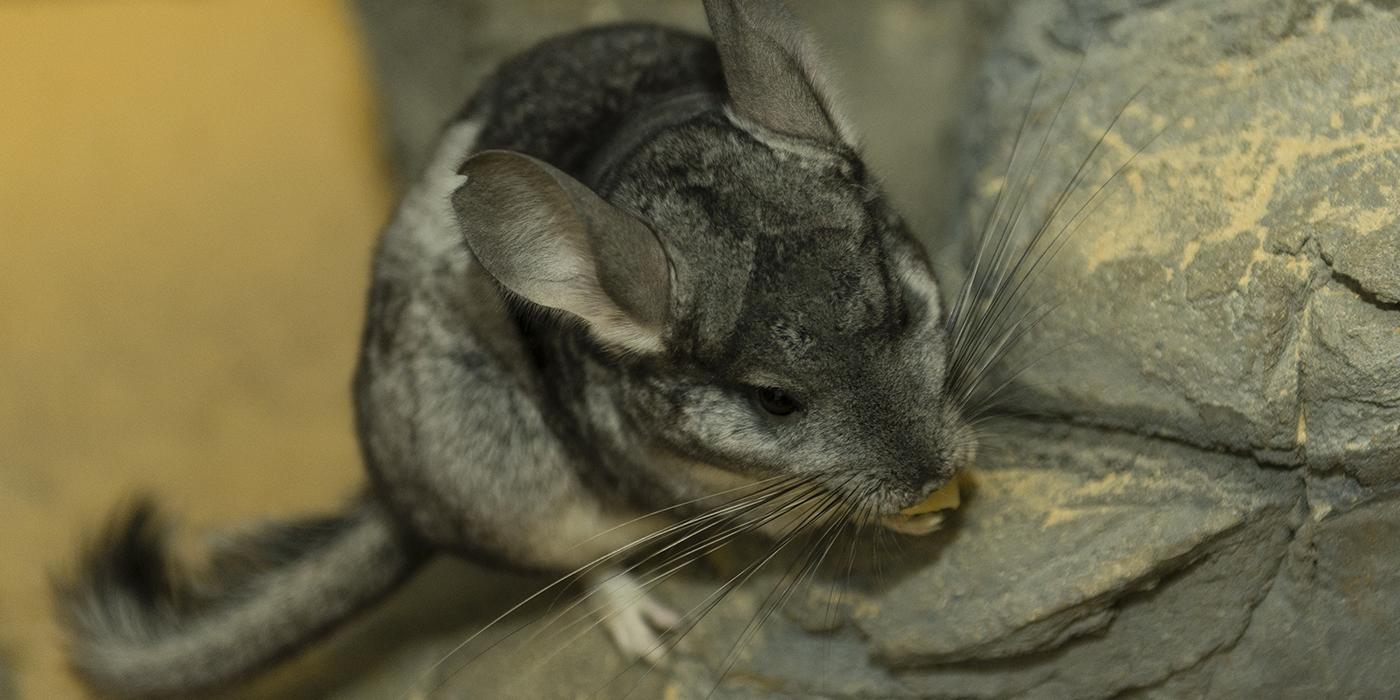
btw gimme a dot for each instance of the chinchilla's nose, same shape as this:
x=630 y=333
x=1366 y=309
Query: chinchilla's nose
x=921 y=466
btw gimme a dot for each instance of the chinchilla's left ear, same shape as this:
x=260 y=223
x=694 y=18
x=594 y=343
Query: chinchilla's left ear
x=553 y=242
x=771 y=73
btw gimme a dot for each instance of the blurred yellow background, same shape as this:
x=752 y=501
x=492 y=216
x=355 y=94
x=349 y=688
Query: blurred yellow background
x=189 y=193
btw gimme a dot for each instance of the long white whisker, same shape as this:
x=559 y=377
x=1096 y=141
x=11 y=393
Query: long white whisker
x=713 y=599
x=693 y=552
x=551 y=586
x=771 y=605
x=964 y=295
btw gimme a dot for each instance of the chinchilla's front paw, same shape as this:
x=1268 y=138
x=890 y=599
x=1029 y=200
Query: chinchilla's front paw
x=633 y=619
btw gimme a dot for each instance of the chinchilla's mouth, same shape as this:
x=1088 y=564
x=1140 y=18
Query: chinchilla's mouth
x=927 y=515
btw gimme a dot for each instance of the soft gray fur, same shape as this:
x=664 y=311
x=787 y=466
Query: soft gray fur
x=624 y=239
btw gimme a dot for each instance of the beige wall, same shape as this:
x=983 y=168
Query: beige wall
x=188 y=196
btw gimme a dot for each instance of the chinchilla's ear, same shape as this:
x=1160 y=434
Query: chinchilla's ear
x=770 y=70
x=550 y=240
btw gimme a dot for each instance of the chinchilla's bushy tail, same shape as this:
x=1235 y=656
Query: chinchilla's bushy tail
x=138 y=627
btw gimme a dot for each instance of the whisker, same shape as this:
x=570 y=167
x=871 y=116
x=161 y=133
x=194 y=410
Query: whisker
x=1028 y=365
x=679 y=561
x=1075 y=220
x=960 y=306
x=554 y=585
x=683 y=504
x=994 y=332
x=1057 y=242
x=838 y=595
x=1013 y=335
x=771 y=605
x=998 y=300
x=711 y=601
x=999 y=270
x=860 y=520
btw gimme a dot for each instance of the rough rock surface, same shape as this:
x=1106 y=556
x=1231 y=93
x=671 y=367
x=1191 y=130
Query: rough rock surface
x=1236 y=283
x=1078 y=568
x=1233 y=289
x=1206 y=501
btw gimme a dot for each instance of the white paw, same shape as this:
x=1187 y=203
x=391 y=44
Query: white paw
x=631 y=617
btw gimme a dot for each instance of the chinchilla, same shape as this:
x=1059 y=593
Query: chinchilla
x=643 y=269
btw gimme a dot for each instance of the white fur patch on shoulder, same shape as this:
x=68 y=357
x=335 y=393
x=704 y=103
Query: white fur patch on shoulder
x=456 y=145
x=426 y=212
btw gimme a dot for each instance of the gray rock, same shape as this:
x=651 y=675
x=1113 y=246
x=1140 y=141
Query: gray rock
x=1327 y=627
x=1234 y=287
x=1079 y=568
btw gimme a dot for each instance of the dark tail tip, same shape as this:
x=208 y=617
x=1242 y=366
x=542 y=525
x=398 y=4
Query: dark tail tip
x=128 y=555
x=121 y=590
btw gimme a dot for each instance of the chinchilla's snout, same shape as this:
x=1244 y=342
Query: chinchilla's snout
x=930 y=460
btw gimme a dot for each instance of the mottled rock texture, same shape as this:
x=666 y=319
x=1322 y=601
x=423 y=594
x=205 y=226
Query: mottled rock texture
x=1233 y=289
x=1235 y=286
x=1204 y=502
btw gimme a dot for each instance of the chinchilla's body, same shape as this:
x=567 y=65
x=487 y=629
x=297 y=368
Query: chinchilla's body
x=639 y=270
x=522 y=441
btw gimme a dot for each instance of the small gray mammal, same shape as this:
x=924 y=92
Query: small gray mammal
x=643 y=268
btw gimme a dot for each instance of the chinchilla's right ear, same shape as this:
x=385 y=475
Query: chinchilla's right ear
x=771 y=73
x=550 y=240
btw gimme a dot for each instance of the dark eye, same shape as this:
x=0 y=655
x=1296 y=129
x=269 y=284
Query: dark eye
x=775 y=401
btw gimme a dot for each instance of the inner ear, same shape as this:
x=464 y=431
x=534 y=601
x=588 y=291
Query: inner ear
x=770 y=70
x=550 y=240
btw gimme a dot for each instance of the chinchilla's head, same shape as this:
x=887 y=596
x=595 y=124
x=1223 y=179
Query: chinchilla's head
x=769 y=312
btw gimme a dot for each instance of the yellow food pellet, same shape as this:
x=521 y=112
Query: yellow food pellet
x=946 y=498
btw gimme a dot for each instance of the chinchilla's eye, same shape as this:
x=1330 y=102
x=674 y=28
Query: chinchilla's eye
x=775 y=401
